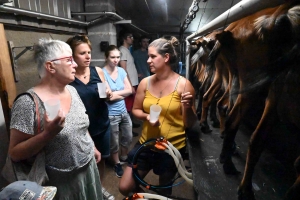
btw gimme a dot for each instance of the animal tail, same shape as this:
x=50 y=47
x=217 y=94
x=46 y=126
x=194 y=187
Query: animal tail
x=210 y=63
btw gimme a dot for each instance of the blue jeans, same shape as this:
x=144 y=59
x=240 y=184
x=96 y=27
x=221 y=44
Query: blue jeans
x=120 y=123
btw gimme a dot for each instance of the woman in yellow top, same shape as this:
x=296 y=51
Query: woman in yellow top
x=176 y=96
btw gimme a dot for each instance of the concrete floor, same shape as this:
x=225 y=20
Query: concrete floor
x=274 y=173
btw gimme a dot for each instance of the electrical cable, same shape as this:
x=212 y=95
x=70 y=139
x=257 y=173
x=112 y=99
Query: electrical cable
x=202 y=15
x=228 y=14
x=212 y=13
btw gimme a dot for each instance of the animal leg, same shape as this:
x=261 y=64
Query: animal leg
x=222 y=109
x=294 y=192
x=213 y=113
x=256 y=145
x=199 y=106
x=231 y=128
x=207 y=99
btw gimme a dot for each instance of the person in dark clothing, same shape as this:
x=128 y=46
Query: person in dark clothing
x=86 y=79
x=140 y=58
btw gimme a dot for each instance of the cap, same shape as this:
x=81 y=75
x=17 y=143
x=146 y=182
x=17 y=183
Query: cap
x=27 y=190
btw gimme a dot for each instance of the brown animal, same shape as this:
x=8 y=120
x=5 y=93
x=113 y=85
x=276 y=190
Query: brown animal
x=202 y=78
x=255 y=50
x=213 y=82
x=282 y=104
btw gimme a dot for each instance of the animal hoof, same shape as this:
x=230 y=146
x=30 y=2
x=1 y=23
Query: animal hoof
x=222 y=134
x=198 y=115
x=216 y=124
x=230 y=169
x=245 y=195
x=205 y=128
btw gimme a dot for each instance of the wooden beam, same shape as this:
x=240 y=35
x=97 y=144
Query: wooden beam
x=8 y=90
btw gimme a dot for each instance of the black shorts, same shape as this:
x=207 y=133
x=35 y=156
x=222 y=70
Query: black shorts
x=102 y=143
x=148 y=159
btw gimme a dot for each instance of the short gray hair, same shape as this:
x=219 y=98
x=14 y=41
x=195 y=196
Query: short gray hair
x=46 y=50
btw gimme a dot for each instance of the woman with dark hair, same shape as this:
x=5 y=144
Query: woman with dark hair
x=175 y=95
x=86 y=79
x=120 y=121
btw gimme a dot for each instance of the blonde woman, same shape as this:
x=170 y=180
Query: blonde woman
x=175 y=95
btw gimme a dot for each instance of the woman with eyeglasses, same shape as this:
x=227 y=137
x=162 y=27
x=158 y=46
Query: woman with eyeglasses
x=86 y=79
x=70 y=153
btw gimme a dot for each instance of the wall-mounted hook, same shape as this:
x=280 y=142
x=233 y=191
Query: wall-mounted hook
x=14 y=58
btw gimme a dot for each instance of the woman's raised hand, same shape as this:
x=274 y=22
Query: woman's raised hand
x=187 y=99
x=53 y=127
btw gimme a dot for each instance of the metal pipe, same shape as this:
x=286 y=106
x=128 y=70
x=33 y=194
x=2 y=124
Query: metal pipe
x=98 y=13
x=240 y=10
x=61 y=19
x=187 y=60
x=107 y=13
x=40 y=15
x=138 y=28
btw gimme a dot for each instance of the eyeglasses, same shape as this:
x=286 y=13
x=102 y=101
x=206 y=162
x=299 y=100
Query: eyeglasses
x=69 y=59
x=130 y=36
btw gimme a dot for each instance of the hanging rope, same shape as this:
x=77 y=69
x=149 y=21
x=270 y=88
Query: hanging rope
x=228 y=15
x=211 y=14
x=202 y=15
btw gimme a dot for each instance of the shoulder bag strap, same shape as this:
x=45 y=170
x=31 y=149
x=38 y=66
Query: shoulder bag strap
x=37 y=114
x=37 y=128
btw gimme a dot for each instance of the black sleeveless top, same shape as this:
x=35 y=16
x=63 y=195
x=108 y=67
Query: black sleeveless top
x=96 y=108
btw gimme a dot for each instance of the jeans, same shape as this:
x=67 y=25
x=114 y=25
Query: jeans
x=120 y=124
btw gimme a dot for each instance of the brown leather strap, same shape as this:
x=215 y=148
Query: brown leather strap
x=36 y=101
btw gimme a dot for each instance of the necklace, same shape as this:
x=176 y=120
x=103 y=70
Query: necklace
x=160 y=93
